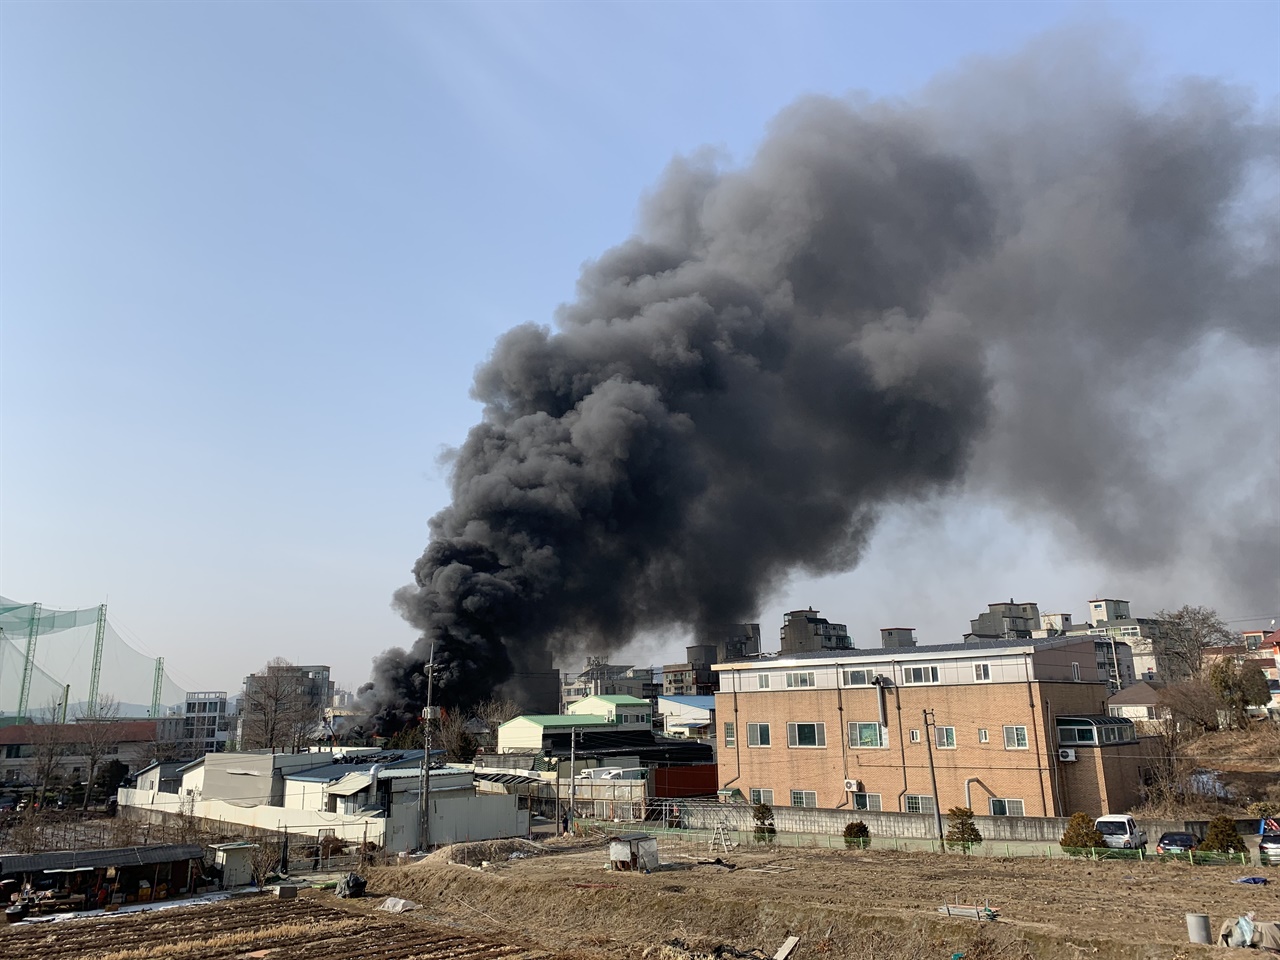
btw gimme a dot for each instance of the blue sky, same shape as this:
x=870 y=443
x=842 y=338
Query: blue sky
x=251 y=254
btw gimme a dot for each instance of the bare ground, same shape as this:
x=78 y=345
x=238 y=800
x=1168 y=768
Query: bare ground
x=561 y=904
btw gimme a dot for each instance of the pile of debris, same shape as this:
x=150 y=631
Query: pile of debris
x=679 y=950
x=485 y=851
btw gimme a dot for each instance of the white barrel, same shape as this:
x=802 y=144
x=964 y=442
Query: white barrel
x=1198 y=928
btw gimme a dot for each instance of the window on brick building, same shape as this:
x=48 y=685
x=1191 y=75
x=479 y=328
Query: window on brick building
x=762 y=681
x=981 y=672
x=866 y=801
x=857 y=678
x=945 y=737
x=915 y=736
x=920 y=675
x=865 y=734
x=801 y=679
x=757 y=735
x=918 y=803
x=730 y=735
x=1006 y=808
x=1015 y=738
x=760 y=795
x=982 y=735
x=806 y=734
x=804 y=798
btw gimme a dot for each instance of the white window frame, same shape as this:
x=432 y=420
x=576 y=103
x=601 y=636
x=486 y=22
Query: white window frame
x=847 y=677
x=923 y=803
x=855 y=735
x=982 y=673
x=1006 y=811
x=915 y=736
x=801 y=680
x=730 y=733
x=760 y=795
x=1015 y=745
x=944 y=738
x=866 y=801
x=819 y=735
x=928 y=674
x=805 y=796
x=1075 y=671
x=762 y=681
x=983 y=736
x=753 y=733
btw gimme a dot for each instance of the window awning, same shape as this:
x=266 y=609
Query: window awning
x=351 y=784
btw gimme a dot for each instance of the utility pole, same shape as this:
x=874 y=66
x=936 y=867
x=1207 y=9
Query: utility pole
x=933 y=777
x=424 y=803
x=573 y=772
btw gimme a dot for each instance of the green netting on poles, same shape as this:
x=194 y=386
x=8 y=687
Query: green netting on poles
x=64 y=647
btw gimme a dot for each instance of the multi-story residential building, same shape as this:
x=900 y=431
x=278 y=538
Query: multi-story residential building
x=896 y=638
x=1111 y=618
x=283 y=706
x=205 y=722
x=687 y=680
x=606 y=679
x=1005 y=621
x=803 y=631
x=694 y=677
x=1013 y=727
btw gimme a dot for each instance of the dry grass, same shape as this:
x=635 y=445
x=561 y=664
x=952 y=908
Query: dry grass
x=246 y=939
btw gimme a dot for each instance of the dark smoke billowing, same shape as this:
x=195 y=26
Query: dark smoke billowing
x=889 y=298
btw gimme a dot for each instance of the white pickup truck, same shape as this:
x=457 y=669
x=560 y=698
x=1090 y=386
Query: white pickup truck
x=1119 y=830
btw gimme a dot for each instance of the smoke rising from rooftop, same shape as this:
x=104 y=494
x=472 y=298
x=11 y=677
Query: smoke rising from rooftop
x=987 y=285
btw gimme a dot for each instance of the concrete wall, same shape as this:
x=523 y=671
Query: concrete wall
x=1047 y=830
x=456 y=818
x=224 y=816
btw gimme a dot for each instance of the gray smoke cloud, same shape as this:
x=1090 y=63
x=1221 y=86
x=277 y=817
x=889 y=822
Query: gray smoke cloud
x=982 y=285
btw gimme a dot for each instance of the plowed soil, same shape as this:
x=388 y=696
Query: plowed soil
x=563 y=905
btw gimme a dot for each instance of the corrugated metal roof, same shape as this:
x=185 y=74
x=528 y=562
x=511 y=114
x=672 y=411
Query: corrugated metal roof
x=118 y=857
x=507 y=778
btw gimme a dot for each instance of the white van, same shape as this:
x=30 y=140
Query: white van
x=1120 y=831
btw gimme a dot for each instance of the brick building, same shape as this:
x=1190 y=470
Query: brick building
x=1017 y=728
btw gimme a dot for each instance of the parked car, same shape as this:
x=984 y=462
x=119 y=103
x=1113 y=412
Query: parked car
x=1120 y=831
x=1269 y=848
x=1176 y=843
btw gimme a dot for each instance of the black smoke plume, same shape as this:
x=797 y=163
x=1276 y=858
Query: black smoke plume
x=887 y=295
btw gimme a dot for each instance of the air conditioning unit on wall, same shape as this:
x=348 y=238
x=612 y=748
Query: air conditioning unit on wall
x=1066 y=755
x=852 y=786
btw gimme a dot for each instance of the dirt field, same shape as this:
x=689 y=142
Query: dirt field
x=854 y=905
x=316 y=925
x=560 y=904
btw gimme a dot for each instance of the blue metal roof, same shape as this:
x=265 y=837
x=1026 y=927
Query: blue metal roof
x=698 y=703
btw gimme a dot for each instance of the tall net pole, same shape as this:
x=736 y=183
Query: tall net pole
x=29 y=660
x=156 y=687
x=96 y=670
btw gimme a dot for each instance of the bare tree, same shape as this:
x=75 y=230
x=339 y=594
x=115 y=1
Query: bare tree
x=96 y=736
x=48 y=748
x=1193 y=703
x=1240 y=687
x=1185 y=634
x=492 y=714
x=452 y=734
x=278 y=712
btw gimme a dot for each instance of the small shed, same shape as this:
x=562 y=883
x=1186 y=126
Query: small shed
x=235 y=860
x=633 y=851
